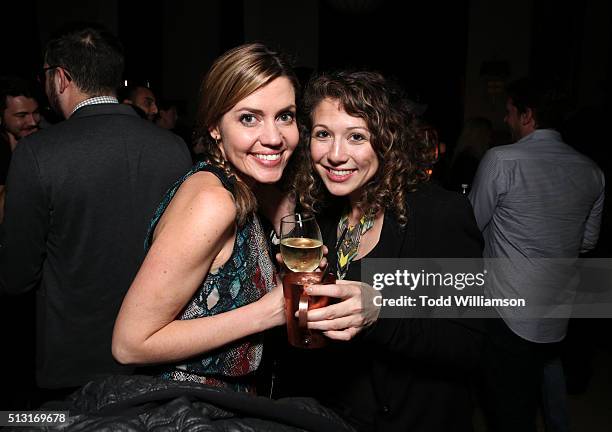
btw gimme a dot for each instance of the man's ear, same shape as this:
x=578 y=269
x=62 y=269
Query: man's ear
x=63 y=79
x=527 y=118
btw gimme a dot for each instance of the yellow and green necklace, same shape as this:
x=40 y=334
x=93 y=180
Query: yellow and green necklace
x=349 y=242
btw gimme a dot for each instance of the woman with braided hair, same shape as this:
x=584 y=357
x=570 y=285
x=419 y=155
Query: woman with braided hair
x=207 y=287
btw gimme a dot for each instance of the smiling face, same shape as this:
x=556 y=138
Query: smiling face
x=341 y=150
x=21 y=116
x=259 y=134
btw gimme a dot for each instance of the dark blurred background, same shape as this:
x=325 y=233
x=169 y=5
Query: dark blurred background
x=453 y=56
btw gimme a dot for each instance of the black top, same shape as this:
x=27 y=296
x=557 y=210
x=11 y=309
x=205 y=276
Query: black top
x=5 y=158
x=80 y=196
x=401 y=374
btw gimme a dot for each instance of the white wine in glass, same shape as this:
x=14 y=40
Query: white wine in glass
x=301 y=244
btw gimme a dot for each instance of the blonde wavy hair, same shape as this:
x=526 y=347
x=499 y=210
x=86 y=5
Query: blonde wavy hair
x=235 y=75
x=396 y=137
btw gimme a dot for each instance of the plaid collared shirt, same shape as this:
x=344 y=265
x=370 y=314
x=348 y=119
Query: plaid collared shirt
x=95 y=101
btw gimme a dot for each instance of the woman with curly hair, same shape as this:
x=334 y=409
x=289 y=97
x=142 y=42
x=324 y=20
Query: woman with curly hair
x=367 y=181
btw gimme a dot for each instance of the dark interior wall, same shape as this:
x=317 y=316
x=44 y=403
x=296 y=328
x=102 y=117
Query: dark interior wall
x=53 y=15
x=422 y=44
x=434 y=48
x=570 y=41
x=192 y=39
x=572 y=45
x=231 y=24
x=21 y=49
x=595 y=68
x=139 y=28
x=292 y=27
x=556 y=45
x=495 y=34
x=28 y=24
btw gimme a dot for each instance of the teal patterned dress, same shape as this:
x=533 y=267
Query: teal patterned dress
x=243 y=279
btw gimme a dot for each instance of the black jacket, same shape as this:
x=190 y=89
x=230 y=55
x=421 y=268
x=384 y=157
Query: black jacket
x=401 y=374
x=140 y=403
x=80 y=196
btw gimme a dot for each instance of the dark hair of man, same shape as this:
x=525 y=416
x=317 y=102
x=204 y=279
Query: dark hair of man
x=401 y=152
x=547 y=103
x=92 y=57
x=166 y=104
x=14 y=87
x=129 y=92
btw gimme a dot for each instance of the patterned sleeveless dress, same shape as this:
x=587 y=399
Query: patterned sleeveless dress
x=244 y=278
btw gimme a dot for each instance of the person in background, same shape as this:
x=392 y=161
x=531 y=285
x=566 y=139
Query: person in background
x=536 y=198
x=198 y=149
x=208 y=288
x=167 y=115
x=168 y=118
x=19 y=114
x=19 y=117
x=79 y=198
x=142 y=100
x=368 y=182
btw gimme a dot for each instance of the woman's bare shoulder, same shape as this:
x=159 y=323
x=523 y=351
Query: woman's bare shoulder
x=202 y=201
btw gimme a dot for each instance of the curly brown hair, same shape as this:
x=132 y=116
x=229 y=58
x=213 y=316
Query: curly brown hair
x=235 y=75
x=395 y=137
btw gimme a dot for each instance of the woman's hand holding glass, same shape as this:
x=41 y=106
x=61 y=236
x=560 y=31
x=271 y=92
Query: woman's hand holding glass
x=301 y=248
x=355 y=310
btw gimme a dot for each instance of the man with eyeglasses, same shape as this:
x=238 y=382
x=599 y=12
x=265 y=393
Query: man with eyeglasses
x=79 y=199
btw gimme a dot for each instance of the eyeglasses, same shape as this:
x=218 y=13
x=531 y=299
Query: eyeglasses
x=42 y=76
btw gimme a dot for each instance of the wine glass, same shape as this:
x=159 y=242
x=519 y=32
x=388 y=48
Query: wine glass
x=301 y=244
